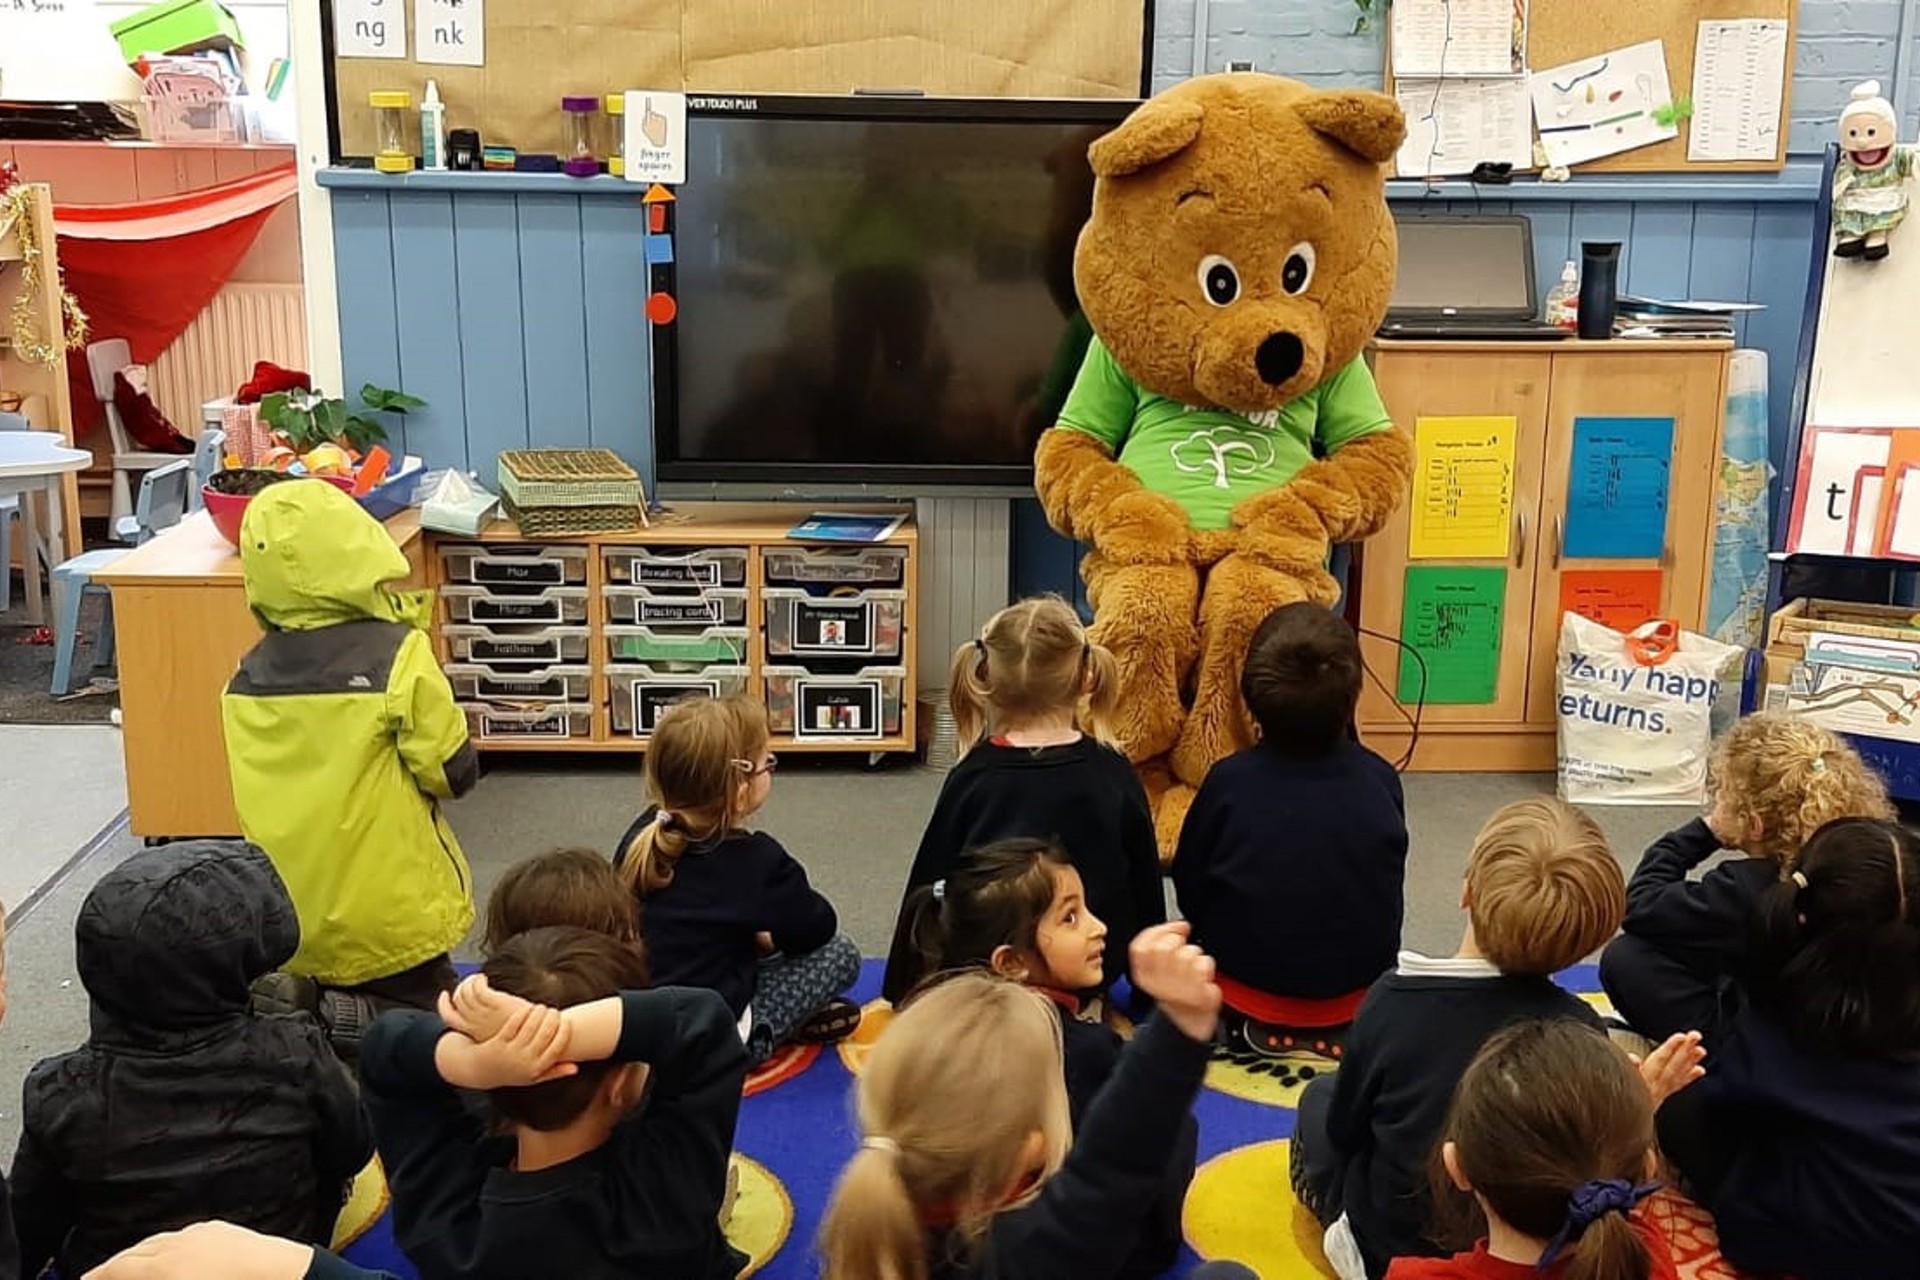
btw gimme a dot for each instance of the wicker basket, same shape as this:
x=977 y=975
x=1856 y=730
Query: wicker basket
x=536 y=478
x=543 y=521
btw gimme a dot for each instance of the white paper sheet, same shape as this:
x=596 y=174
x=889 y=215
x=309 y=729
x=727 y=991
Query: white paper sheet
x=1903 y=537
x=1453 y=125
x=370 y=28
x=656 y=136
x=451 y=33
x=1831 y=500
x=1458 y=38
x=1739 y=71
x=1603 y=105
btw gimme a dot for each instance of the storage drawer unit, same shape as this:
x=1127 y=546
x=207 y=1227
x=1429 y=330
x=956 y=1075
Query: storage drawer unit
x=878 y=566
x=547 y=684
x=488 y=723
x=855 y=624
x=639 y=694
x=510 y=565
x=810 y=706
x=676 y=569
x=646 y=607
x=654 y=645
x=482 y=606
x=516 y=649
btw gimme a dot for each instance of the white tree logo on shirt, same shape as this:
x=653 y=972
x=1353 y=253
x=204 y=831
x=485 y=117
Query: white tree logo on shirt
x=1225 y=452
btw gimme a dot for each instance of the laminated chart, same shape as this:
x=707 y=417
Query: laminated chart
x=1463 y=488
x=1450 y=620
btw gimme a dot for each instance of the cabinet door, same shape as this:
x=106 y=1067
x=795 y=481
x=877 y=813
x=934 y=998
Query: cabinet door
x=1449 y=382
x=1687 y=387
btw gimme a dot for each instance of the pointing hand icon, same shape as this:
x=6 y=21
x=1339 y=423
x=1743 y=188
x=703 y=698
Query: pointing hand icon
x=653 y=126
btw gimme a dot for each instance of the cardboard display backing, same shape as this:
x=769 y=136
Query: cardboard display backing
x=540 y=50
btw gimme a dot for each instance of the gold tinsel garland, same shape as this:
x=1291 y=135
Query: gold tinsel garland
x=16 y=210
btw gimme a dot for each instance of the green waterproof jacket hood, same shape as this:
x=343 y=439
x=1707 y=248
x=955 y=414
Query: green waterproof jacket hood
x=313 y=557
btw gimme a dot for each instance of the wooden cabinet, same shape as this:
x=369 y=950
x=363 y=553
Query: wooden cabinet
x=37 y=389
x=1544 y=387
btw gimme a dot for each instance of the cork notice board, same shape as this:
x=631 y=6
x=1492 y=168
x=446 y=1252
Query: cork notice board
x=541 y=50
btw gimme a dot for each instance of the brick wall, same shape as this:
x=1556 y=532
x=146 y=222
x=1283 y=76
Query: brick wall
x=1841 y=42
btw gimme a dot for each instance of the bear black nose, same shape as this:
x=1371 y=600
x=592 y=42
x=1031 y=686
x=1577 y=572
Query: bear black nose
x=1279 y=358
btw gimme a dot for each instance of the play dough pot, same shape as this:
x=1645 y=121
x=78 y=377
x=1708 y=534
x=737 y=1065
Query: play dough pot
x=228 y=493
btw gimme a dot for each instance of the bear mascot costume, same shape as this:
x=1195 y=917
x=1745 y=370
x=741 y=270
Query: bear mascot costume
x=1224 y=430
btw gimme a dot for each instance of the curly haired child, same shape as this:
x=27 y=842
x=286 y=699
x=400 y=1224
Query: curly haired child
x=1683 y=948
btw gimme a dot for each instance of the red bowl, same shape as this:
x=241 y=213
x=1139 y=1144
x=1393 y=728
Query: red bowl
x=228 y=509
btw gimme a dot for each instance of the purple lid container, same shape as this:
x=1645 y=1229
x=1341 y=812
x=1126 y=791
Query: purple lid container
x=582 y=167
x=579 y=104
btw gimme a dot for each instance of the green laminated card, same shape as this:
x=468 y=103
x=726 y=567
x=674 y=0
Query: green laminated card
x=1450 y=624
x=177 y=26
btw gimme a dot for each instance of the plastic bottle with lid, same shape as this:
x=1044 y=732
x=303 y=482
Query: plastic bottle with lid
x=433 y=129
x=1563 y=300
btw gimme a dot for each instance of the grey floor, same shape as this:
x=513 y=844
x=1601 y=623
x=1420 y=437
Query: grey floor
x=854 y=829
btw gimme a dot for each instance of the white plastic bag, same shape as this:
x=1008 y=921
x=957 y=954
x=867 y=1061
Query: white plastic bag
x=1635 y=712
x=453 y=503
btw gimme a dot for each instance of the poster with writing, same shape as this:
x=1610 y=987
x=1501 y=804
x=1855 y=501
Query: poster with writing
x=1617 y=598
x=1617 y=488
x=369 y=28
x=1450 y=623
x=1462 y=488
x=450 y=32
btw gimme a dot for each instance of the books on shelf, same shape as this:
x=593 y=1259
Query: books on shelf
x=843 y=526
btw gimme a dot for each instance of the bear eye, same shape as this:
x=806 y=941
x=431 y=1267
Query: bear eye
x=1296 y=273
x=1218 y=280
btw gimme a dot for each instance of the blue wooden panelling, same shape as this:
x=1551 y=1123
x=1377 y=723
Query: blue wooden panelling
x=493 y=336
x=427 y=297
x=618 y=382
x=553 y=315
x=363 y=265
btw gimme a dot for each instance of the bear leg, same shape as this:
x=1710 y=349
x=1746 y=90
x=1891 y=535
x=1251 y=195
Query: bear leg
x=1241 y=592
x=1144 y=614
x=1169 y=799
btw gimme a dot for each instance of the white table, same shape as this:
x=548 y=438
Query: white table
x=32 y=462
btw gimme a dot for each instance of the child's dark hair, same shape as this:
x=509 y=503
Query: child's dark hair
x=575 y=887
x=997 y=896
x=560 y=966
x=1301 y=680
x=1839 y=957
x=1552 y=1128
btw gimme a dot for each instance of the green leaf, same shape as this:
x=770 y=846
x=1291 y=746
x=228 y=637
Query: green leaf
x=363 y=432
x=383 y=400
x=330 y=418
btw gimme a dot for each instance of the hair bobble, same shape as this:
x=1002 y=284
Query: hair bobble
x=664 y=819
x=1799 y=879
x=939 y=890
x=1819 y=765
x=980 y=646
x=879 y=1142
x=1590 y=1202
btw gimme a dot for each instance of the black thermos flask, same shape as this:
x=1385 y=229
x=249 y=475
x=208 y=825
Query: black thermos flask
x=1599 y=287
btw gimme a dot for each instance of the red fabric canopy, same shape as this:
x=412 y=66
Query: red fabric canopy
x=144 y=271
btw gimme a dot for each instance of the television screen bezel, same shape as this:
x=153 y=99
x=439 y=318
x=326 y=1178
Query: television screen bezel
x=685 y=476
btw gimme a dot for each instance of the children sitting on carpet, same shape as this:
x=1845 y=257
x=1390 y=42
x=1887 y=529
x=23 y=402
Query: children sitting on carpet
x=342 y=738
x=1032 y=698
x=1551 y=1133
x=1292 y=861
x=1542 y=890
x=725 y=907
x=183 y=1105
x=962 y=1174
x=1804 y=1139
x=576 y=887
x=1017 y=908
x=614 y=1111
x=1682 y=952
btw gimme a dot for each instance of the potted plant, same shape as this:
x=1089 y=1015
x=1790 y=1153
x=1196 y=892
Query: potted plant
x=327 y=437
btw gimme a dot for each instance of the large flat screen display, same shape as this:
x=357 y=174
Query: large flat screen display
x=873 y=291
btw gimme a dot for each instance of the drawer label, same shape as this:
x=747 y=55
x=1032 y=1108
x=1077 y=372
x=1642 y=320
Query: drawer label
x=518 y=650
x=554 y=726
x=499 y=610
x=650 y=701
x=519 y=571
x=698 y=574
x=825 y=627
x=694 y=610
x=554 y=690
x=837 y=710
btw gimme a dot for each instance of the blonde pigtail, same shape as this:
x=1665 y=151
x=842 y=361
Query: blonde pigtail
x=967 y=694
x=872 y=1230
x=1103 y=692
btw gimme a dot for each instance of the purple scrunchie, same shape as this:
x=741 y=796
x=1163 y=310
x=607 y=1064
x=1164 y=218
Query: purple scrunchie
x=1590 y=1202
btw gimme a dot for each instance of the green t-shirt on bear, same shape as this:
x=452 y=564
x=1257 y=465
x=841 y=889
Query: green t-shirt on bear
x=1211 y=460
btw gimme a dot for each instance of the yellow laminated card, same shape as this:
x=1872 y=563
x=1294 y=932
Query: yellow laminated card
x=1462 y=488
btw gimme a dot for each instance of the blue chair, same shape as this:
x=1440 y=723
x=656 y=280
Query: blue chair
x=162 y=503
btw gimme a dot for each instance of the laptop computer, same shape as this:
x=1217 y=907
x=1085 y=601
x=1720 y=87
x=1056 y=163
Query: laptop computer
x=1465 y=276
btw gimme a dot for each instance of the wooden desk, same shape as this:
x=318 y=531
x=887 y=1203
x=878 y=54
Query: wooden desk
x=181 y=626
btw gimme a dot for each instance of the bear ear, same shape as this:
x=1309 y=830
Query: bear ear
x=1366 y=123
x=1158 y=129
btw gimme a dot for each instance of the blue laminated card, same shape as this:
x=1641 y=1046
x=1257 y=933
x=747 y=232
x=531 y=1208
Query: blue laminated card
x=1617 y=488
